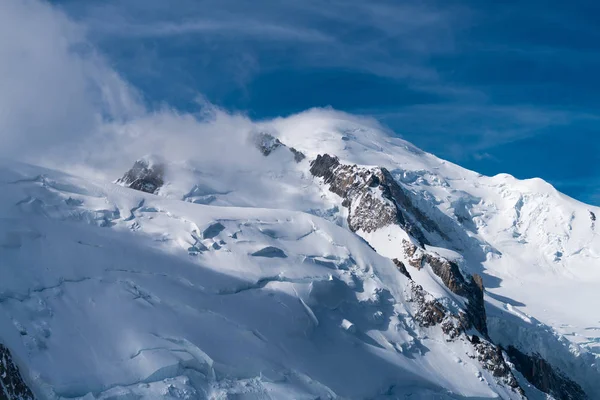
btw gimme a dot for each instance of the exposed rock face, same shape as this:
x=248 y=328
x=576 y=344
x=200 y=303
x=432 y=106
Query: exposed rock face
x=376 y=200
x=492 y=359
x=449 y=273
x=544 y=377
x=267 y=143
x=13 y=386
x=145 y=176
x=402 y=268
x=298 y=155
x=373 y=197
x=431 y=312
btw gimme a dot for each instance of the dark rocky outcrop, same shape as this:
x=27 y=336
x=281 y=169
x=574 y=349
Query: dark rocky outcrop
x=145 y=176
x=298 y=155
x=545 y=377
x=449 y=272
x=402 y=268
x=324 y=166
x=491 y=358
x=267 y=143
x=430 y=312
x=374 y=198
x=13 y=385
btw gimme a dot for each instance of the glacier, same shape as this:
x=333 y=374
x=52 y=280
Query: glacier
x=265 y=280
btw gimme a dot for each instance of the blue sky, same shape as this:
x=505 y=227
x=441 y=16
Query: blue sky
x=507 y=86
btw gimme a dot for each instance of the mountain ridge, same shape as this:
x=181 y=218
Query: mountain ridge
x=321 y=167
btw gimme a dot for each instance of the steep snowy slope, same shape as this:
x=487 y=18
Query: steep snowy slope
x=330 y=261
x=535 y=249
x=111 y=293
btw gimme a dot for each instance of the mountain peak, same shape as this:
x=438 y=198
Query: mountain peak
x=343 y=255
x=147 y=174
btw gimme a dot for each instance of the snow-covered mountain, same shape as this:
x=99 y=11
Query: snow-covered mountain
x=336 y=262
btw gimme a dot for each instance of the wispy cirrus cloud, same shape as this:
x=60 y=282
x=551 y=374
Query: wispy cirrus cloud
x=223 y=28
x=471 y=131
x=366 y=36
x=446 y=51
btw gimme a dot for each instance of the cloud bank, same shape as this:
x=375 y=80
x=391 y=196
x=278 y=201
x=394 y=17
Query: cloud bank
x=64 y=106
x=55 y=87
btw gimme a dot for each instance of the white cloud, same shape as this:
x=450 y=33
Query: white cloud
x=55 y=89
x=63 y=106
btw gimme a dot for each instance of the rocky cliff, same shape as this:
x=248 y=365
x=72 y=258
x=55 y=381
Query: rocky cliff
x=13 y=385
x=145 y=175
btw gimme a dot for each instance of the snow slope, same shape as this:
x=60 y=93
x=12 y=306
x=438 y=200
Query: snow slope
x=112 y=293
x=244 y=279
x=536 y=249
x=520 y=235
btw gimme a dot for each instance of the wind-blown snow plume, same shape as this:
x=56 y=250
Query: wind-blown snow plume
x=62 y=104
x=55 y=88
